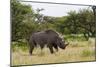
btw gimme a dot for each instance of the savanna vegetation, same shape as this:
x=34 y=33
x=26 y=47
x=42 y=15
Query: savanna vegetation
x=78 y=28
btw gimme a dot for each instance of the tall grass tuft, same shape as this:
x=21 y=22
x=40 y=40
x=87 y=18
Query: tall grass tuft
x=86 y=53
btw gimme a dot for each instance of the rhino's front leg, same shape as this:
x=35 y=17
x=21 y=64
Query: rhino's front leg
x=51 y=49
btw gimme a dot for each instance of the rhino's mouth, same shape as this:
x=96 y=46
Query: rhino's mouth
x=65 y=46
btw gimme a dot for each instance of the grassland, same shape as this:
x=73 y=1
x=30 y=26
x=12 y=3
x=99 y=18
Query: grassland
x=76 y=51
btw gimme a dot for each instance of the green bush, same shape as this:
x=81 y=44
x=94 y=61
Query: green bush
x=15 y=46
x=74 y=37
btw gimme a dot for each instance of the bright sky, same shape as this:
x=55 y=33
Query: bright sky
x=57 y=10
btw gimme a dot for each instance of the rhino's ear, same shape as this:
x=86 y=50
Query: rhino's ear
x=47 y=31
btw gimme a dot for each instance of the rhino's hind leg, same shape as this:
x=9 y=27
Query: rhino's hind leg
x=41 y=46
x=31 y=50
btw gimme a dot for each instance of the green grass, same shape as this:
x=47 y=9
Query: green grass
x=87 y=52
x=74 y=37
x=16 y=46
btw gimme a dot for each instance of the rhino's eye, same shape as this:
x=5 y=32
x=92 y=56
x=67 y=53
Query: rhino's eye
x=63 y=41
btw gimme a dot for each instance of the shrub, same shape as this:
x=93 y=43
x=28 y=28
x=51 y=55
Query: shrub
x=15 y=46
x=74 y=38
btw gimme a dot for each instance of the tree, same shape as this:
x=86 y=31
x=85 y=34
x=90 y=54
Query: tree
x=87 y=22
x=39 y=16
x=19 y=13
x=71 y=22
x=81 y=22
x=59 y=24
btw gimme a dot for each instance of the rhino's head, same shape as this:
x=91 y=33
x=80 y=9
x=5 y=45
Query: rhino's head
x=61 y=43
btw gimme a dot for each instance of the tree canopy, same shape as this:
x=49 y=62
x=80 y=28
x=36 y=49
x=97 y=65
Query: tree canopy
x=25 y=21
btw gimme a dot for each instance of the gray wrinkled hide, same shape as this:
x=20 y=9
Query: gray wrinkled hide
x=47 y=38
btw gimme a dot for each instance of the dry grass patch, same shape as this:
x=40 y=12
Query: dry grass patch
x=70 y=54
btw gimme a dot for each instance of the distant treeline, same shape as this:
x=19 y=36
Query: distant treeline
x=26 y=20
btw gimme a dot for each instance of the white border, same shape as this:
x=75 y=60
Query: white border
x=5 y=34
